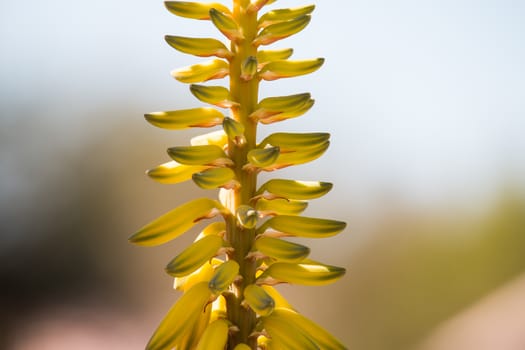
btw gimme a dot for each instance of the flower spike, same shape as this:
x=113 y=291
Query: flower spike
x=227 y=275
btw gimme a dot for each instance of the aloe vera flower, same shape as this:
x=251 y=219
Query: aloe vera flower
x=227 y=276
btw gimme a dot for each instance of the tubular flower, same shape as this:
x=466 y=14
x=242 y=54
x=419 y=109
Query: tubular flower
x=227 y=276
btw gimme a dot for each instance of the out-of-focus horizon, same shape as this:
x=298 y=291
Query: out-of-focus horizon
x=425 y=102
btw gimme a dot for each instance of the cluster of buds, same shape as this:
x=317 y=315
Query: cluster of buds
x=228 y=275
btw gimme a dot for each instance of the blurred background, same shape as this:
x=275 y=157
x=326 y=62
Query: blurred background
x=425 y=101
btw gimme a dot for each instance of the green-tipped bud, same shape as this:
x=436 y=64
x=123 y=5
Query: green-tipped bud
x=173 y=172
x=280 y=206
x=218 y=138
x=287 y=69
x=310 y=274
x=215 y=336
x=281 y=15
x=249 y=68
x=281 y=30
x=194 y=10
x=198 y=73
x=281 y=250
x=293 y=189
x=233 y=129
x=215 y=95
x=202 y=47
x=261 y=157
x=301 y=226
x=225 y=24
x=203 y=117
x=194 y=256
x=247 y=216
x=181 y=318
x=265 y=56
x=214 y=178
x=199 y=155
x=223 y=277
x=174 y=223
x=260 y=301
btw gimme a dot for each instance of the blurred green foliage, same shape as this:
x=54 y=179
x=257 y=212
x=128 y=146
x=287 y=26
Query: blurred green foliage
x=421 y=269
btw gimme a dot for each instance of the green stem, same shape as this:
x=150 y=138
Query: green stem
x=246 y=94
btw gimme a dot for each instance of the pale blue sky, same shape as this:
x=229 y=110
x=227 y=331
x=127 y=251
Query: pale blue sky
x=423 y=98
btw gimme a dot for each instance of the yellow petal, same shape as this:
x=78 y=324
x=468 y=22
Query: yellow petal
x=199 y=155
x=173 y=172
x=215 y=95
x=265 y=56
x=215 y=336
x=191 y=340
x=287 y=69
x=194 y=256
x=289 y=114
x=304 y=274
x=181 y=318
x=202 y=274
x=204 y=117
x=293 y=189
x=218 y=309
x=174 y=223
x=288 y=142
x=202 y=47
x=301 y=226
x=279 y=206
x=281 y=250
x=319 y=335
x=273 y=109
x=286 y=334
x=299 y=156
x=198 y=73
x=214 y=178
x=281 y=30
x=280 y=15
x=217 y=138
x=284 y=103
x=194 y=10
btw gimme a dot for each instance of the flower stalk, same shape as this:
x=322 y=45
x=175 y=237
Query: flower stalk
x=228 y=274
